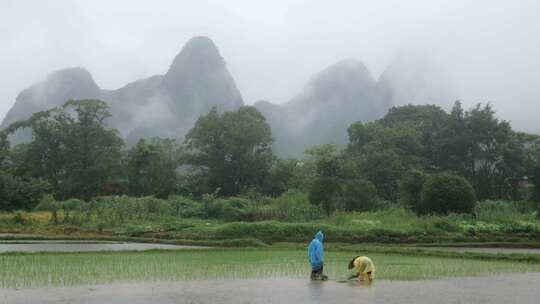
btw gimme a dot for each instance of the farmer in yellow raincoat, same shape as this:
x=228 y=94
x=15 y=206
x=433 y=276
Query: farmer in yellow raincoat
x=364 y=267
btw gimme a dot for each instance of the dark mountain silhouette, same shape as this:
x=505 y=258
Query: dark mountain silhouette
x=336 y=97
x=197 y=80
x=166 y=105
x=54 y=91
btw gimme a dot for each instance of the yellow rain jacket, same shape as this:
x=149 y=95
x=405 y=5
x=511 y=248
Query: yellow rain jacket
x=363 y=265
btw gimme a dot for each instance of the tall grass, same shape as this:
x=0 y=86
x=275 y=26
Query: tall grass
x=503 y=211
x=289 y=207
x=289 y=217
x=114 y=210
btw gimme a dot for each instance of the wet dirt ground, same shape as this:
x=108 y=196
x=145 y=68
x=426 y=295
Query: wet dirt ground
x=514 y=288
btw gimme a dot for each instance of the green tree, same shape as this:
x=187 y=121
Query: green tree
x=360 y=195
x=324 y=160
x=151 y=168
x=92 y=150
x=325 y=193
x=4 y=149
x=281 y=177
x=324 y=172
x=384 y=169
x=410 y=189
x=515 y=160
x=71 y=149
x=233 y=150
x=446 y=193
x=485 y=150
x=383 y=153
x=16 y=193
x=428 y=120
x=472 y=143
x=20 y=194
x=454 y=142
x=535 y=179
x=403 y=138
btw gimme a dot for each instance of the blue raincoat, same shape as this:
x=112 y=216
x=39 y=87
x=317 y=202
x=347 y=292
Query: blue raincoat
x=316 y=251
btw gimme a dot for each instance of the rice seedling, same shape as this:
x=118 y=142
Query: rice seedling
x=54 y=269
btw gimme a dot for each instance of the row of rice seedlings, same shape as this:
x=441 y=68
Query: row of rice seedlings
x=99 y=268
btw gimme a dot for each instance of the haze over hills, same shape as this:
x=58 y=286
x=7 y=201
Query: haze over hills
x=413 y=78
x=162 y=105
x=336 y=97
x=198 y=79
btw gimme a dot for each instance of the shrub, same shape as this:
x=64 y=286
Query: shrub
x=445 y=193
x=17 y=193
x=185 y=207
x=19 y=218
x=360 y=195
x=536 y=183
x=69 y=207
x=276 y=231
x=47 y=203
x=325 y=193
x=231 y=209
x=446 y=224
x=410 y=188
x=280 y=178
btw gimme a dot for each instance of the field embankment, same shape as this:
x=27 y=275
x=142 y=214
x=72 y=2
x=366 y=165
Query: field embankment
x=151 y=224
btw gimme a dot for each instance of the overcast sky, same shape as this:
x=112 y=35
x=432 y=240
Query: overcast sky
x=489 y=49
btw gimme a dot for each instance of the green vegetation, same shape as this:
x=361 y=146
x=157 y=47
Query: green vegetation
x=71 y=150
x=410 y=189
x=444 y=193
x=289 y=217
x=17 y=193
x=232 y=150
x=224 y=182
x=360 y=195
x=24 y=270
x=151 y=168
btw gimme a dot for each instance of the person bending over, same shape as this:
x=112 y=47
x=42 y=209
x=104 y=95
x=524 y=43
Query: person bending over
x=316 y=257
x=364 y=267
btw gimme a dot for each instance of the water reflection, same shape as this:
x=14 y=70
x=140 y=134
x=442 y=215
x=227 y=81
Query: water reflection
x=85 y=247
x=479 y=290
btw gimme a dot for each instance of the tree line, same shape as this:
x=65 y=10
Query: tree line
x=420 y=155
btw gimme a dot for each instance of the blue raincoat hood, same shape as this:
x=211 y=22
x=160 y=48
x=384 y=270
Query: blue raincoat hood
x=316 y=251
x=319 y=236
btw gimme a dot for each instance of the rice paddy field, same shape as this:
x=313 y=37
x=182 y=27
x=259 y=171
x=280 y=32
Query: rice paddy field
x=21 y=270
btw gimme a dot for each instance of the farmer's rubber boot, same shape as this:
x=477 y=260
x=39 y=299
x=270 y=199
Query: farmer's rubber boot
x=319 y=277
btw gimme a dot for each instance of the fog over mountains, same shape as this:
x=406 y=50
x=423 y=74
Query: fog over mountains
x=198 y=79
x=162 y=105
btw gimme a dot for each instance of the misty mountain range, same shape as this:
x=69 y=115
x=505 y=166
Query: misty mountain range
x=197 y=80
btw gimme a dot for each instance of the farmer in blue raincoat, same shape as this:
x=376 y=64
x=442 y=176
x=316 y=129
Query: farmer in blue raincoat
x=316 y=257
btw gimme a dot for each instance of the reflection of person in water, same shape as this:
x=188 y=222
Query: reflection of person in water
x=364 y=267
x=316 y=257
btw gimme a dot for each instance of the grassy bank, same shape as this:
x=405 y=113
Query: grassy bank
x=395 y=225
x=25 y=270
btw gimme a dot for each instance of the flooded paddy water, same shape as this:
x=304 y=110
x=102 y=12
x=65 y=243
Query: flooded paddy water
x=53 y=246
x=494 y=250
x=249 y=276
x=512 y=288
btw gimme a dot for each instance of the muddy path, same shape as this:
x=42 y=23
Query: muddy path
x=515 y=288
